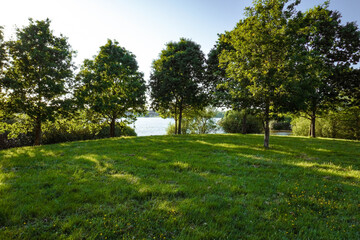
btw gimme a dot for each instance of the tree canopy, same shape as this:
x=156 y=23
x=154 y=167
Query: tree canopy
x=328 y=51
x=39 y=68
x=111 y=84
x=257 y=62
x=178 y=81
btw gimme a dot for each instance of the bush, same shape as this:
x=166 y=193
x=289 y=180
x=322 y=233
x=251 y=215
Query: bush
x=344 y=123
x=120 y=130
x=279 y=125
x=233 y=123
x=68 y=131
x=62 y=130
x=21 y=140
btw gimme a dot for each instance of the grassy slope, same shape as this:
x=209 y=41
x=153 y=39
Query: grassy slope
x=184 y=187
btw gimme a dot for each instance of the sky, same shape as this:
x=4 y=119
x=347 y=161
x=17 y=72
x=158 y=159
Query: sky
x=141 y=26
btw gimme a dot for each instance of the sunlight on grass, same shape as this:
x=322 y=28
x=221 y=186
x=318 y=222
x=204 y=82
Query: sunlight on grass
x=101 y=165
x=183 y=187
x=330 y=169
x=180 y=165
x=127 y=177
x=322 y=150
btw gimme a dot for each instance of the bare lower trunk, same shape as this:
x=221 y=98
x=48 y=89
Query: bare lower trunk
x=112 y=127
x=176 y=125
x=176 y=122
x=38 y=132
x=312 y=126
x=243 y=130
x=180 y=119
x=266 y=127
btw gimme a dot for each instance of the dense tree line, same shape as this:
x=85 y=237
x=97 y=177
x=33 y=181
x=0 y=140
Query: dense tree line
x=277 y=60
x=39 y=86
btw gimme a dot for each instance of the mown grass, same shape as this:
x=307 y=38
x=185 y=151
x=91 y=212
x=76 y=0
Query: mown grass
x=182 y=187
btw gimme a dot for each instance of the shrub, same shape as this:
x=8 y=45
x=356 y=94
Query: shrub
x=120 y=130
x=344 y=123
x=62 y=130
x=233 y=122
x=278 y=125
x=68 y=131
x=21 y=140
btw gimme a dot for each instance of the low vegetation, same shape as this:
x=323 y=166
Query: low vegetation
x=182 y=187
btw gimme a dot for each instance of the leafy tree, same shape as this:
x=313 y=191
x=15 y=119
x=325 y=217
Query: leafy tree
x=39 y=69
x=223 y=86
x=257 y=62
x=178 y=81
x=347 y=84
x=2 y=63
x=2 y=51
x=327 y=50
x=111 y=85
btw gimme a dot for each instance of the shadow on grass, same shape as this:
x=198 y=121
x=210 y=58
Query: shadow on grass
x=198 y=187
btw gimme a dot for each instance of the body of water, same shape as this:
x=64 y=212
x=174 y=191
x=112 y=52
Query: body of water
x=148 y=126
x=151 y=125
x=155 y=125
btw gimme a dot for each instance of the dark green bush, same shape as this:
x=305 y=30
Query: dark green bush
x=233 y=123
x=62 y=130
x=122 y=130
x=279 y=125
x=65 y=133
x=21 y=140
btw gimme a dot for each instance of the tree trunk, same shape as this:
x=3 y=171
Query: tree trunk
x=266 y=127
x=38 y=132
x=112 y=127
x=176 y=121
x=176 y=125
x=180 y=119
x=243 y=129
x=312 y=125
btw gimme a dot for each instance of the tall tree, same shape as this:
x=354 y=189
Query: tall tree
x=178 y=80
x=224 y=88
x=2 y=50
x=111 y=84
x=2 y=63
x=257 y=62
x=39 y=68
x=328 y=51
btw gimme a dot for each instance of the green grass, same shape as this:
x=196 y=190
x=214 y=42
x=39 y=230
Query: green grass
x=182 y=187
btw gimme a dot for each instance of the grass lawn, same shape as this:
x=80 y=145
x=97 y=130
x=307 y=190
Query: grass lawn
x=182 y=187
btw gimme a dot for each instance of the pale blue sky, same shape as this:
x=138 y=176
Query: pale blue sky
x=141 y=26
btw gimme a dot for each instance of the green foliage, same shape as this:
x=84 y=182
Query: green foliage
x=37 y=76
x=182 y=187
x=202 y=122
x=197 y=122
x=77 y=126
x=281 y=124
x=3 y=56
x=257 y=60
x=111 y=85
x=185 y=128
x=234 y=122
x=67 y=130
x=177 y=81
x=344 y=123
x=326 y=50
